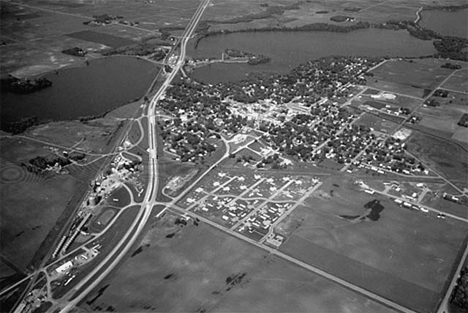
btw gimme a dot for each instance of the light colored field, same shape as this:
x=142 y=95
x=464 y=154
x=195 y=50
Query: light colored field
x=444 y=118
x=403 y=248
x=409 y=78
x=459 y=81
x=189 y=272
x=377 y=123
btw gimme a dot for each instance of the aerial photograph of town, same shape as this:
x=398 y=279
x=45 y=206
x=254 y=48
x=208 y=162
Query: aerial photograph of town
x=227 y=156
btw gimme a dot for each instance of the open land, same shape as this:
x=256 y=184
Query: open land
x=444 y=156
x=199 y=267
x=340 y=184
x=389 y=249
x=409 y=77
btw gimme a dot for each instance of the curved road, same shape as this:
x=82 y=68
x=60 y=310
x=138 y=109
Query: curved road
x=142 y=218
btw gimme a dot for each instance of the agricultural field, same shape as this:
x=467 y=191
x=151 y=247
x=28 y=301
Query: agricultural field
x=445 y=117
x=91 y=137
x=458 y=81
x=441 y=155
x=409 y=78
x=383 y=248
x=35 y=32
x=194 y=269
x=247 y=14
x=31 y=203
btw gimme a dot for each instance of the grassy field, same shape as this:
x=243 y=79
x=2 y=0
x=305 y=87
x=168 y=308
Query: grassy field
x=458 y=81
x=105 y=39
x=447 y=158
x=31 y=203
x=446 y=116
x=248 y=14
x=200 y=269
x=398 y=102
x=377 y=123
x=36 y=33
x=91 y=137
x=409 y=78
x=410 y=260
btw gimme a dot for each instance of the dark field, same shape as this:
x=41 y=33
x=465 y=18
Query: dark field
x=31 y=203
x=410 y=259
x=448 y=159
x=201 y=269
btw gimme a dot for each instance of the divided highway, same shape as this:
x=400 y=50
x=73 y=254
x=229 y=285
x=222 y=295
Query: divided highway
x=127 y=241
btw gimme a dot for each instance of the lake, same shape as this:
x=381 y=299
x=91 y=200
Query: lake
x=84 y=91
x=288 y=49
x=446 y=22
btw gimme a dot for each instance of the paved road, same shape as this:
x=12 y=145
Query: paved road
x=127 y=241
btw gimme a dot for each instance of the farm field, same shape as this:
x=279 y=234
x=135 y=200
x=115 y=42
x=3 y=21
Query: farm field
x=409 y=78
x=197 y=270
x=35 y=32
x=458 y=81
x=390 y=249
x=31 y=204
x=445 y=117
x=446 y=158
x=235 y=16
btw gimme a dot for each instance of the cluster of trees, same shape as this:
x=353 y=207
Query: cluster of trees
x=463 y=120
x=39 y=163
x=459 y=295
x=452 y=48
x=23 y=86
x=252 y=58
x=245 y=158
x=76 y=51
x=144 y=48
x=103 y=19
x=447 y=46
x=451 y=66
x=441 y=93
x=191 y=143
x=20 y=126
x=273 y=160
x=341 y=18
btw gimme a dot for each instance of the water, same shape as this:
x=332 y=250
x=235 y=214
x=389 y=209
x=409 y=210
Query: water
x=446 y=22
x=289 y=49
x=85 y=91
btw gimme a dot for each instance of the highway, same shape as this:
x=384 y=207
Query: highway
x=127 y=241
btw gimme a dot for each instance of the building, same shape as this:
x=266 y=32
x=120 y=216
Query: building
x=64 y=268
